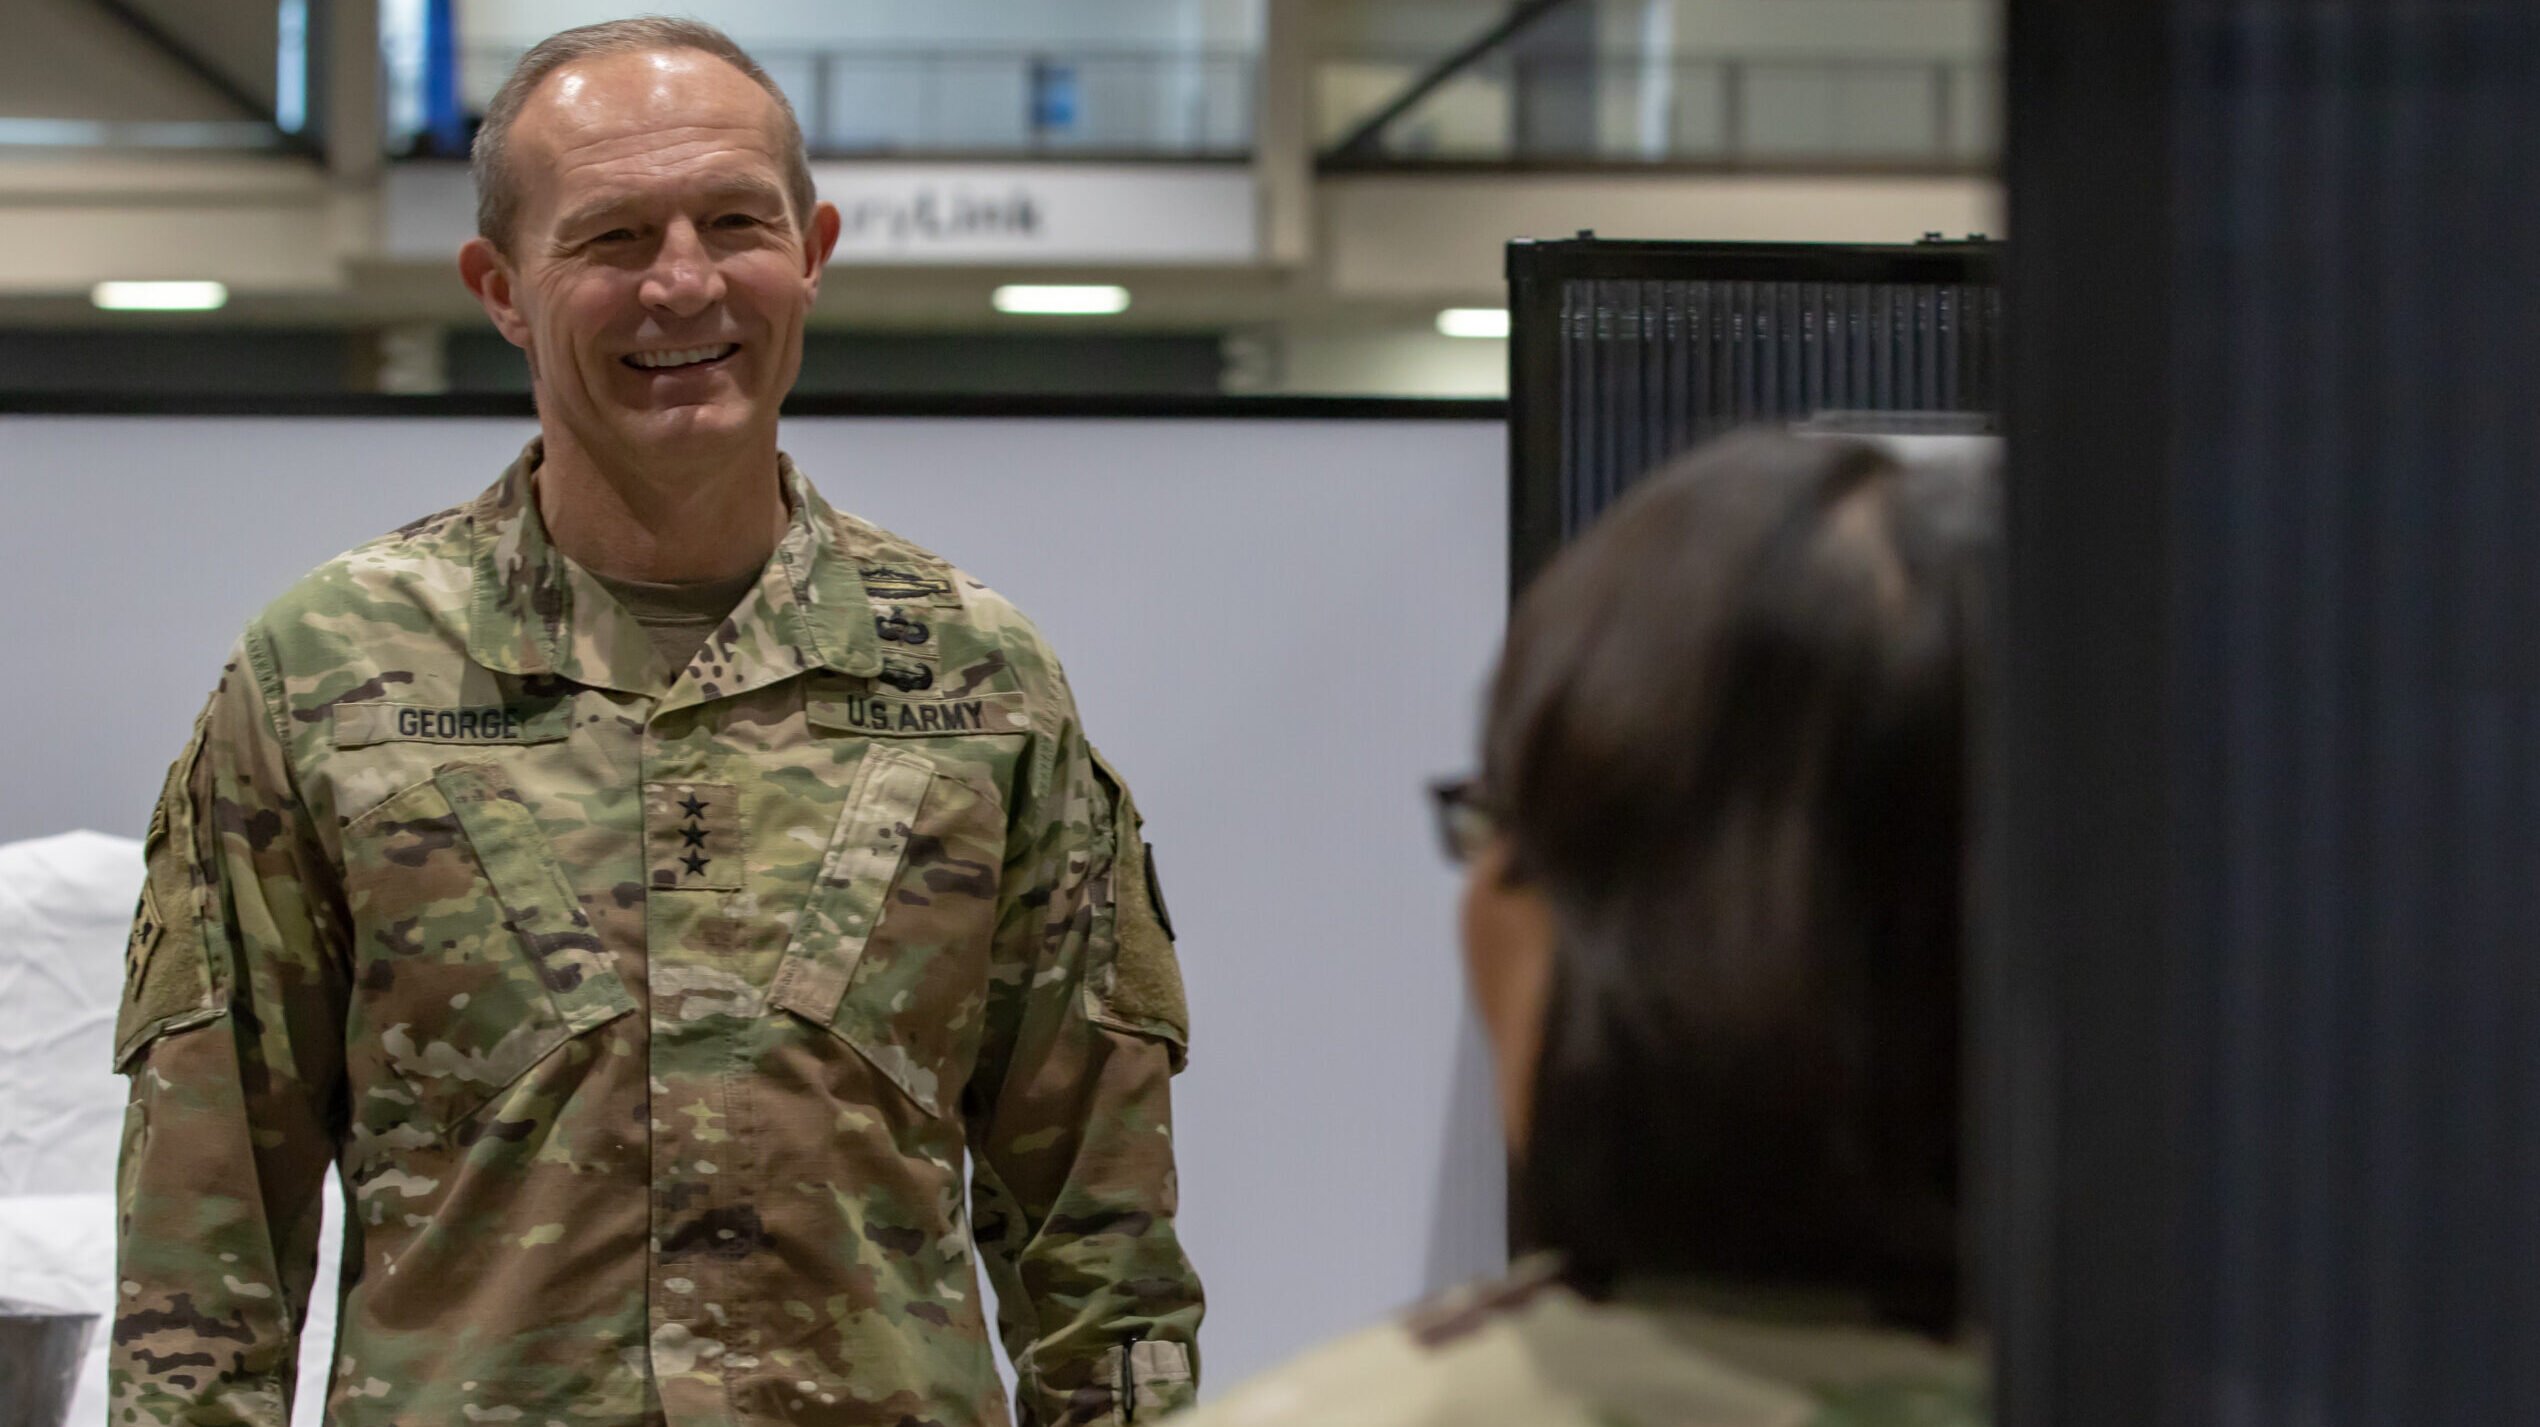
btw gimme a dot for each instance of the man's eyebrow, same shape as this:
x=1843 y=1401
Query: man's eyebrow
x=738 y=187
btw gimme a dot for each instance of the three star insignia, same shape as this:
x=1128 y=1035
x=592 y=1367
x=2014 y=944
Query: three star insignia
x=695 y=837
x=692 y=836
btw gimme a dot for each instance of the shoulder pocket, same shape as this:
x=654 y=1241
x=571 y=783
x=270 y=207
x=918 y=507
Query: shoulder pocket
x=890 y=951
x=169 y=979
x=1134 y=980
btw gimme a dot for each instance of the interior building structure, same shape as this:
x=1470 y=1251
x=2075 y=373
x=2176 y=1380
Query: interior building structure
x=1279 y=196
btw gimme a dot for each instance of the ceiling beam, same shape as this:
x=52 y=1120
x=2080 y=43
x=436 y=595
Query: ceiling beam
x=1361 y=141
x=138 y=23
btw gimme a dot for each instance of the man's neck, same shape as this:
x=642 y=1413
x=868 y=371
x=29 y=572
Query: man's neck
x=662 y=522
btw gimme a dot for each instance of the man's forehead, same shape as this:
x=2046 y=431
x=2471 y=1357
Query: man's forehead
x=627 y=96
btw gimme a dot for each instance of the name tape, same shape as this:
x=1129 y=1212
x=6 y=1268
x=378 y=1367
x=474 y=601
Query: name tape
x=357 y=725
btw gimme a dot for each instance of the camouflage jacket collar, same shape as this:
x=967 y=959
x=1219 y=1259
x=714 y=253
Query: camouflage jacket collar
x=536 y=612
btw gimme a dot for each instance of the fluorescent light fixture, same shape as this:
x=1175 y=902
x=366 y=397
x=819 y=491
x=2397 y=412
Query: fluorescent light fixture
x=1025 y=299
x=158 y=296
x=1474 y=322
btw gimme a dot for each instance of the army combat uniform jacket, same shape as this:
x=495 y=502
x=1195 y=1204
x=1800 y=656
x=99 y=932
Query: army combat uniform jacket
x=649 y=1020
x=1529 y=1352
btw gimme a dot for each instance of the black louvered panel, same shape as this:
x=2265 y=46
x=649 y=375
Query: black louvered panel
x=2270 y=880
x=2361 y=535
x=1627 y=353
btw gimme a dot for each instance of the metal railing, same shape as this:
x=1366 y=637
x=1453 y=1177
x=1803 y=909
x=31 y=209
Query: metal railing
x=1041 y=102
x=181 y=135
x=1798 y=111
x=1791 y=111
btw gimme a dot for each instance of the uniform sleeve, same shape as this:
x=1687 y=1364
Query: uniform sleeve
x=230 y=1034
x=1071 y=1121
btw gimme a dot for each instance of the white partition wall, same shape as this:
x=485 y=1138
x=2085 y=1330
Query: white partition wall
x=1278 y=628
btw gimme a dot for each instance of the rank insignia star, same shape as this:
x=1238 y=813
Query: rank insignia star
x=693 y=839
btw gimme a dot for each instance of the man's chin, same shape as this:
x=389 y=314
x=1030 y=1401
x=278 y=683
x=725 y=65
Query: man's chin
x=692 y=422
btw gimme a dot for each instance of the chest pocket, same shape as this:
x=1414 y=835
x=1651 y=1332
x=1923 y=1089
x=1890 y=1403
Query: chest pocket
x=891 y=951
x=472 y=957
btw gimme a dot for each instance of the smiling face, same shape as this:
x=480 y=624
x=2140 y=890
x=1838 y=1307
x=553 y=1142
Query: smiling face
x=657 y=275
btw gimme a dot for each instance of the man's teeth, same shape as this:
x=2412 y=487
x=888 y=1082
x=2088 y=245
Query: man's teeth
x=684 y=357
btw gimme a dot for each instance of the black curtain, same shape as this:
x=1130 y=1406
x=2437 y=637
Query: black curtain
x=2263 y=866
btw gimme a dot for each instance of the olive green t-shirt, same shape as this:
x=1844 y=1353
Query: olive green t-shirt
x=677 y=617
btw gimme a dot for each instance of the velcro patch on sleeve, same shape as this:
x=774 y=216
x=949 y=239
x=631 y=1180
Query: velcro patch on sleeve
x=1139 y=986
x=168 y=982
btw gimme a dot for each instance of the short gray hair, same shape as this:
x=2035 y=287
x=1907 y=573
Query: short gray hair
x=489 y=161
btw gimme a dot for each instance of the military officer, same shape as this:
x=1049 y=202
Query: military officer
x=648 y=884
x=1712 y=924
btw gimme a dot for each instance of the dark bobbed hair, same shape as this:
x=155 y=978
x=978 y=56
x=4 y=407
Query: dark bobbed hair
x=1729 y=739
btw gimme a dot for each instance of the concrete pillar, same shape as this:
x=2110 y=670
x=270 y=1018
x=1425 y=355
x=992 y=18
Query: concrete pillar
x=1283 y=135
x=1557 y=70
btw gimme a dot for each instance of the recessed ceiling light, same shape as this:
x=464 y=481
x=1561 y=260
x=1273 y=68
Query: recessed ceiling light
x=1474 y=322
x=158 y=296
x=1073 y=300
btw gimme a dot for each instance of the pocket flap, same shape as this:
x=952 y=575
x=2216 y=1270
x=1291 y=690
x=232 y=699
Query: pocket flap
x=846 y=904
x=863 y=860
x=572 y=962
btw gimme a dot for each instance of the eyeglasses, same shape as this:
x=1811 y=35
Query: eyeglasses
x=1465 y=822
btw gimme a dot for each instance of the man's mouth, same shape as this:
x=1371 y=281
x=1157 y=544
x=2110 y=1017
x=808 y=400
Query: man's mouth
x=682 y=357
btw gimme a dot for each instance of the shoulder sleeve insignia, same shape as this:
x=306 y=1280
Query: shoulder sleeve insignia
x=1137 y=977
x=168 y=974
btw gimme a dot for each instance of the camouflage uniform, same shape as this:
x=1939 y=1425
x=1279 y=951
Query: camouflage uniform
x=649 y=1021
x=1528 y=1352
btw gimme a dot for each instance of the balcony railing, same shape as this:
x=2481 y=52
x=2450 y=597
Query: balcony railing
x=1760 y=112
x=1765 y=112
x=144 y=135
x=974 y=102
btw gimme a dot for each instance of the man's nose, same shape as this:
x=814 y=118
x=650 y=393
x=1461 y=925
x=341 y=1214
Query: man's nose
x=683 y=280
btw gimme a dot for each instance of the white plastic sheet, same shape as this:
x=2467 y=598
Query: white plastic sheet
x=65 y=905
x=58 y=1251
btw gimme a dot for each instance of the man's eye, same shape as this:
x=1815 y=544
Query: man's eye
x=736 y=220
x=615 y=235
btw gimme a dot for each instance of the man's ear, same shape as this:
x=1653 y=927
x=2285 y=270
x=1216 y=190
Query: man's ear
x=489 y=275
x=820 y=239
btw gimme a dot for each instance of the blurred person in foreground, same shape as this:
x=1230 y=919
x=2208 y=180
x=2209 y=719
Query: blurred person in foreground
x=1712 y=922
x=649 y=884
